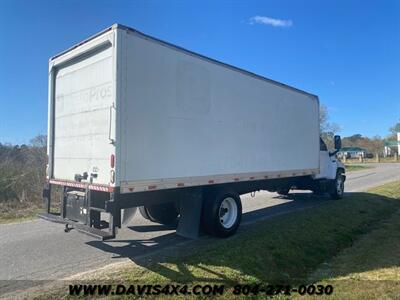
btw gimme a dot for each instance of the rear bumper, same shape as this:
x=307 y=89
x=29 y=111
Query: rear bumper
x=78 y=213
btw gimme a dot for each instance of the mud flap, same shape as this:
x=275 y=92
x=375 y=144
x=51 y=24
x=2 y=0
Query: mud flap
x=189 y=224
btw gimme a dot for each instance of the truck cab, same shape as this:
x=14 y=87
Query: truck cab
x=332 y=170
x=331 y=176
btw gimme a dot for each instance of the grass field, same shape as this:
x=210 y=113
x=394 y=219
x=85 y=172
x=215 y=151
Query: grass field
x=370 y=269
x=18 y=212
x=372 y=160
x=352 y=168
x=15 y=211
x=348 y=243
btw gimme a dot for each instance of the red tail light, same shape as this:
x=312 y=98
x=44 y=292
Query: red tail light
x=112 y=161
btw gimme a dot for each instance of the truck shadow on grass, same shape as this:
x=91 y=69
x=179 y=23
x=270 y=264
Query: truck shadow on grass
x=284 y=249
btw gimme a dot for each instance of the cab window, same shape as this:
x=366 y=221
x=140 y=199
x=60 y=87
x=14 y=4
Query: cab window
x=322 y=145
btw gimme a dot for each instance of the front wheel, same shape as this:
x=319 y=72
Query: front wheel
x=222 y=213
x=337 y=189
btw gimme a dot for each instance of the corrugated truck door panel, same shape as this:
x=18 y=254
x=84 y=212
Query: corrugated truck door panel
x=83 y=115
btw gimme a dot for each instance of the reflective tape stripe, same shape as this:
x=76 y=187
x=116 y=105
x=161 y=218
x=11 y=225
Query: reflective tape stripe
x=95 y=187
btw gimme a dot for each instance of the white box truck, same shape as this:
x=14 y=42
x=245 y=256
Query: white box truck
x=138 y=122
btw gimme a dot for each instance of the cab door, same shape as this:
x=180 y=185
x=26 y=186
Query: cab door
x=327 y=163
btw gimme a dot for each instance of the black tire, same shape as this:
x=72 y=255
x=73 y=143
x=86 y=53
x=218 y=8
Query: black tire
x=164 y=213
x=283 y=191
x=318 y=191
x=143 y=212
x=215 y=213
x=337 y=188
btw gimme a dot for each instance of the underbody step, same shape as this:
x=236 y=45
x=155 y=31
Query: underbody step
x=94 y=232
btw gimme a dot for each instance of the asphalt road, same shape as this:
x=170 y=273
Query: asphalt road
x=40 y=250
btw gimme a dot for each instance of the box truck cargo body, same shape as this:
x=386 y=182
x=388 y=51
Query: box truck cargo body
x=132 y=116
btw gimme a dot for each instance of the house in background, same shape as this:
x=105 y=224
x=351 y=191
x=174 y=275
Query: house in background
x=392 y=147
x=352 y=152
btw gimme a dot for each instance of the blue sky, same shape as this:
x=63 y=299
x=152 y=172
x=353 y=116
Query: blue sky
x=346 y=52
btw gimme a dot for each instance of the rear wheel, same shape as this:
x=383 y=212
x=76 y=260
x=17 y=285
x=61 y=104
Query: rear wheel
x=143 y=212
x=337 y=188
x=164 y=213
x=222 y=213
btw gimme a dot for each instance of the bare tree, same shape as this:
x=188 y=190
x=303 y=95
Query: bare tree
x=39 y=141
x=22 y=171
x=327 y=129
x=395 y=128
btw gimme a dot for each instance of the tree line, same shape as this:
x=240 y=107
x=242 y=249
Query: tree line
x=371 y=144
x=22 y=171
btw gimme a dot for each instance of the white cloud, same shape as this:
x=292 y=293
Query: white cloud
x=270 y=21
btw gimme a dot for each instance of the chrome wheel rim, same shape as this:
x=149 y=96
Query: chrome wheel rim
x=228 y=212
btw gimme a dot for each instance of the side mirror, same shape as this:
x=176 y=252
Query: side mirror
x=338 y=142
